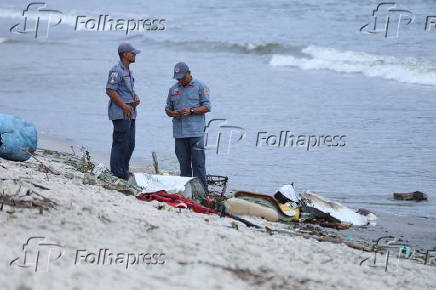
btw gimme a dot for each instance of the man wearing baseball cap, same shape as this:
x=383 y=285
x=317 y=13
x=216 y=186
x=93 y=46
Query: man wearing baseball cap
x=122 y=110
x=187 y=103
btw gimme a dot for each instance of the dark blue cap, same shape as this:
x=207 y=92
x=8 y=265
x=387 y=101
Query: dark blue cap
x=180 y=69
x=127 y=47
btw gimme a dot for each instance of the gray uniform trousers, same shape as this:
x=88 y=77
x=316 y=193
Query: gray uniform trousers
x=123 y=144
x=192 y=158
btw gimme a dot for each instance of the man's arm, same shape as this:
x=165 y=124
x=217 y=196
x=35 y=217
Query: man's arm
x=113 y=95
x=195 y=111
x=200 y=110
x=205 y=104
x=173 y=114
x=113 y=82
x=136 y=101
x=169 y=108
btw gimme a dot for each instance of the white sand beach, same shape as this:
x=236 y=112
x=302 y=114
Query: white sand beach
x=192 y=251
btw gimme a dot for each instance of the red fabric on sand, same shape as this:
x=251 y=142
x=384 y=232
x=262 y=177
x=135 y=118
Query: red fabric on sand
x=174 y=200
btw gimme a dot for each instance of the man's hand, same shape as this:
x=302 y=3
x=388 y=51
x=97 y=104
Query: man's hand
x=184 y=112
x=176 y=114
x=173 y=114
x=127 y=110
x=136 y=101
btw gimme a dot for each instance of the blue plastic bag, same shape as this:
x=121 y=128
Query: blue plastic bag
x=16 y=134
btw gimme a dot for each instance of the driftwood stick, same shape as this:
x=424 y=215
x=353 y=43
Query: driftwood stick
x=40 y=186
x=155 y=162
x=3 y=200
x=44 y=198
x=40 y=162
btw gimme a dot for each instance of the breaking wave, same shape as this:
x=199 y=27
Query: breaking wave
x=404 y=70
x=7 y=40
x=237 y=47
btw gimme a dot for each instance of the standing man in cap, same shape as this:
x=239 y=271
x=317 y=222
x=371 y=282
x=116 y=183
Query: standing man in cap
x=187 y=103
x=122 y=110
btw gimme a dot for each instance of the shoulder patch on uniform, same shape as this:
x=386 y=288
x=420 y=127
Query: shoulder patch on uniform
x=113 y=77
x=206 y=91
x=175 y=92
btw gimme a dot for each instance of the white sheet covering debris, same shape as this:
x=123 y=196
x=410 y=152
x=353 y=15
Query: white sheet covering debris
x=336 y=210
x=289 y=191
x=172 y=184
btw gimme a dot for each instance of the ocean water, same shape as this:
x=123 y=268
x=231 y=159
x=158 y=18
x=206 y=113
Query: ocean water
x=296 y=67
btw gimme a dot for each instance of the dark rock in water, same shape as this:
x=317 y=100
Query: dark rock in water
x=363 y=211
x=417 y=195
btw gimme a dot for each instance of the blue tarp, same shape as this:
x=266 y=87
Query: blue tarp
x=16 y=134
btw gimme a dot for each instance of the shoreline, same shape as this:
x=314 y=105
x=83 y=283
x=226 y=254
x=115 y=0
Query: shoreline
x=416 y=231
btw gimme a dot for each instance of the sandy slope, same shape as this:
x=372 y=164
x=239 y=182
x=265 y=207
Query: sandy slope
x=201 y=252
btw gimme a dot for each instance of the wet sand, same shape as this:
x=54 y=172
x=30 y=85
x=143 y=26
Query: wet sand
x=414 y=231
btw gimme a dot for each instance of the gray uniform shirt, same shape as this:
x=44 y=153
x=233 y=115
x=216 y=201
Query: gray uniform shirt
x=121 y=80
x=196 y=94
